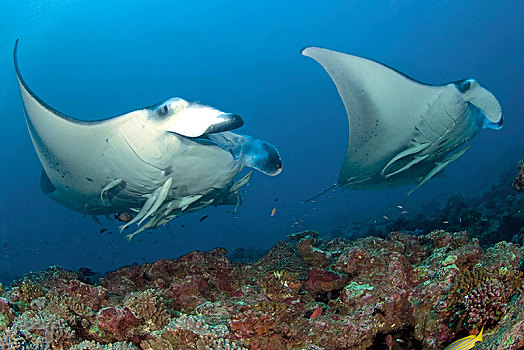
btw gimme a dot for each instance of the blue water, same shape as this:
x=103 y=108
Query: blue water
x=91 y=60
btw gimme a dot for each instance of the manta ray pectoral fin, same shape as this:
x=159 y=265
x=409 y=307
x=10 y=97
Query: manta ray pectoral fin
x=109 y=186
x=440 y=166
x=415 y=148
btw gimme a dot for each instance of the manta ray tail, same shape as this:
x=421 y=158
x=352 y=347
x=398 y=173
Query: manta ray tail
x=324 y=191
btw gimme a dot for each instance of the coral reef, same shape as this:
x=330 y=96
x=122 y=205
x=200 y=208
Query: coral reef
x=480 y=296
x=492 y=215
x=400 y=292
x=518 y=183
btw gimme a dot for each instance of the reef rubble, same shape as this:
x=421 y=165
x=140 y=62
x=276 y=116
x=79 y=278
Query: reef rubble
x=518 y=183
x=411 y=292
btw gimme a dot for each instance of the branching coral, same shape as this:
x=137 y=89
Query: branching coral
x=92 y=345
x=191 y=332
x=72 y=305
x=52 y=328
x=157 y=343
x=147 y=306
x=217 y=344
x=7 y=315
x=480 y=297
x=72 y=311
x=13 y=339
x=27 y=291
x=197 y=325
x=92 y=296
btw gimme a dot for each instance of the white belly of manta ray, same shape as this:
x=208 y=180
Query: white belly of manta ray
x=158 y=162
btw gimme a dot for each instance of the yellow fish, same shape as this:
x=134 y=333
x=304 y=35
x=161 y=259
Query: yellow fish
x=466 y=342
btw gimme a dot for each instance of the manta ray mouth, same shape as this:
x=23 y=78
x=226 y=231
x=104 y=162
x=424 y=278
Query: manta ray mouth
x=207 y=141
x=225 y=122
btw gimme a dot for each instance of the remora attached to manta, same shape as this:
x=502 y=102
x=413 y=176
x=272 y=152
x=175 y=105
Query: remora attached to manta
x=402 y=131
x=160 y=161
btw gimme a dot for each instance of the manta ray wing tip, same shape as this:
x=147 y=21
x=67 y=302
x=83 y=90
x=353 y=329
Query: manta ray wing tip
x=306 y=51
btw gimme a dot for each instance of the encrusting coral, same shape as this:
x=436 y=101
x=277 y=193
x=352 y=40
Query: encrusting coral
x=518 y=183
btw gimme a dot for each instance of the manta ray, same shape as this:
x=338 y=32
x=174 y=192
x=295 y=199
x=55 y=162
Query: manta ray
x=402 y=131
x=159 y=162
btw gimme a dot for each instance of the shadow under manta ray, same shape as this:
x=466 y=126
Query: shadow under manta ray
x=159 y=162
x=402 y=131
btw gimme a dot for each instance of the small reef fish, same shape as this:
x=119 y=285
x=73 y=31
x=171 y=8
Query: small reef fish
x=400 y=207
x=466 y=342
x=273 y=212
x=385 y=217
x=124 y=217
x=317 y=312
x=404 y=212
x=203 y=218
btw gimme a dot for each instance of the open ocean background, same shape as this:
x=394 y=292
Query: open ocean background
x=96 y=59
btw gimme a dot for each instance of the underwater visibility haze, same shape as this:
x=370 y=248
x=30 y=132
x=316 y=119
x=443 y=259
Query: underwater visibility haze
x=95 y=61
x=404 y=133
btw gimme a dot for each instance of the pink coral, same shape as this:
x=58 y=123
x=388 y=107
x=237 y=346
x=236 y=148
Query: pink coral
x=117 y=321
